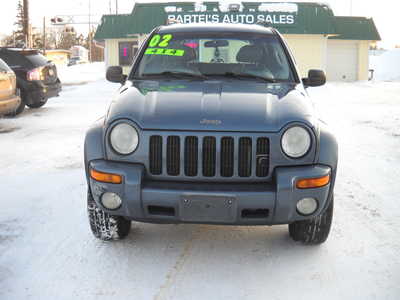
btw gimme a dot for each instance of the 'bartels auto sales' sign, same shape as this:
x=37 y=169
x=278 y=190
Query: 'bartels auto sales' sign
x=273 y=13
x=275 y=19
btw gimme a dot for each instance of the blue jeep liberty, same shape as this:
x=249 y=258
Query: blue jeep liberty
x=213 y=125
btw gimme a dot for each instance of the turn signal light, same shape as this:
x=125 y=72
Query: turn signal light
x=105 y=177
x=310 y=183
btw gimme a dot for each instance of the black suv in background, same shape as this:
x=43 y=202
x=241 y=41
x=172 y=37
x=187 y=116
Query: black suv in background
x=37 y=78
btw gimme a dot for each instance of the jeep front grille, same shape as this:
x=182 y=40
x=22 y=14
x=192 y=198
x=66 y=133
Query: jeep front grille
x=244 y=157
x=227 y=158
x=191 y=155
x=208 y=156
x=263 y=160
x=173 y=155
x=155 y=154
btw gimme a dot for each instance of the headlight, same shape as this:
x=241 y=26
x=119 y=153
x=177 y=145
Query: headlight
x=124 y=138
x=296 y=141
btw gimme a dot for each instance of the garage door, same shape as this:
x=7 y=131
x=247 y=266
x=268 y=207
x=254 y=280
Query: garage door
x=342 y=64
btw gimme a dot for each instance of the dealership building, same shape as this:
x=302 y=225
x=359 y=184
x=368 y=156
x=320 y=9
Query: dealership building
x=319 y=39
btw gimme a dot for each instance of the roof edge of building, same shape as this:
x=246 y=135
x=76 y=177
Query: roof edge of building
x=356 y=28
x=146 y=16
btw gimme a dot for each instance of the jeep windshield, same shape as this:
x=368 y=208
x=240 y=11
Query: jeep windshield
x=200 y=56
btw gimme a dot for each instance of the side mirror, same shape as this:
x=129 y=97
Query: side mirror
x=315 y=78
x=114 y=74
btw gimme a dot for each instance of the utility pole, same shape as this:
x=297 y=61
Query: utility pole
x=26 y=23
x=44 y=35
x=90 y=34
x=116 y=7
x=351 y=7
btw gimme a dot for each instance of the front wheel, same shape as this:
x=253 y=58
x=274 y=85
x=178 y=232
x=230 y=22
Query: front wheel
x=104 y=226
x=313 y=231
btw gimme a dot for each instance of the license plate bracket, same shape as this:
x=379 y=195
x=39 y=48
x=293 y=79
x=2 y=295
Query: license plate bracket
x=208 y=209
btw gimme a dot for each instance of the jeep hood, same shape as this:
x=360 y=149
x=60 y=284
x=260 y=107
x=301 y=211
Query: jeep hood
x=212 y=105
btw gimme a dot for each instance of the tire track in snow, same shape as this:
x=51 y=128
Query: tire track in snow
x=180 y=262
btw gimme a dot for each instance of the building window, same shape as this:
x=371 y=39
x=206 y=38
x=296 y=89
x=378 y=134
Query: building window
x=127 y=51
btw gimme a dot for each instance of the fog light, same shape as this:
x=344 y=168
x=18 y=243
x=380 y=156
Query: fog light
x=111 y=200
x=307 y=206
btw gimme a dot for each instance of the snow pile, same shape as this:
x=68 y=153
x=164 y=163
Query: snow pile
x=169 y=9
x=386 y=66
x=200 y=7
x=81 y=73
x=278 y=7
x=225 y=6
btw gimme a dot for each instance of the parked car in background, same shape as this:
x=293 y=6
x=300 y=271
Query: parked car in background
x=81 y=52
x=80 y=55
x=9 y=95
x=37 y=77
x=76 y=60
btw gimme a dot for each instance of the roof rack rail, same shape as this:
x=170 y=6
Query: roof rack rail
x=19 y=49
x=265 y=24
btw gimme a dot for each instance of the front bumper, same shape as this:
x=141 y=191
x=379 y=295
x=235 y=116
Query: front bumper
x=9 y=105
x=210 y=203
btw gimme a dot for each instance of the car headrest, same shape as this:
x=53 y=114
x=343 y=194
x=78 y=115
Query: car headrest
x=249 y=54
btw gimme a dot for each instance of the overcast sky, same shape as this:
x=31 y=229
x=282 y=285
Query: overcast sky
x=384 y=12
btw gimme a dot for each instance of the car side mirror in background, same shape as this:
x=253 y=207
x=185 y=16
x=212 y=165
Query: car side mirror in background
x=315 y=78
x=114 y=74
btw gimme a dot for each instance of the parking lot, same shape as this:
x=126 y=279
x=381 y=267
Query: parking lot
x=48 y=252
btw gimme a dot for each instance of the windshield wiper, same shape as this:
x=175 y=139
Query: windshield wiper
x=175 y=74
x=245 y=75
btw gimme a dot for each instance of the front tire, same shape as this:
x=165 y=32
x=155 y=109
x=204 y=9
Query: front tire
x=37 y=104
x=19 y=109
x=313 y=231
x=104 y=226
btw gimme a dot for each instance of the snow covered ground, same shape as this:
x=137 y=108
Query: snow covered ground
x=81 y=73
x=48 y=252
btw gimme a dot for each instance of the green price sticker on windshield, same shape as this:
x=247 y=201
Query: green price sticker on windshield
x=158 y=41
x=164 y=51
x=158 y=44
